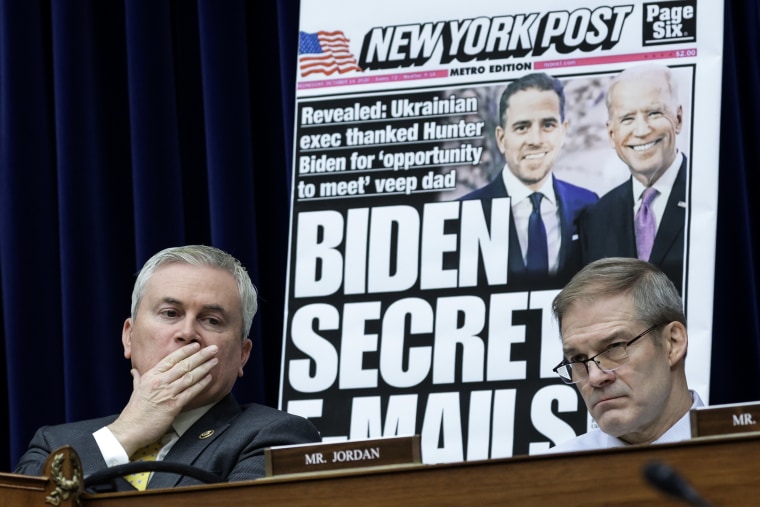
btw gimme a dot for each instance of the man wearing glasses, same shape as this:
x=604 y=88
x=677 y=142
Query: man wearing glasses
x=624 y=340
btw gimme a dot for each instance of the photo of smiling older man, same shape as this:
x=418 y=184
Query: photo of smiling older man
x=643 y=217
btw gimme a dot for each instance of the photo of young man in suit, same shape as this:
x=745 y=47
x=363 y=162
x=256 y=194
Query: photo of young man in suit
x=543 y=248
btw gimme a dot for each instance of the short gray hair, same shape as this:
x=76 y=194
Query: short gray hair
x=642 y=73
x=201 y=255
x=655 y=297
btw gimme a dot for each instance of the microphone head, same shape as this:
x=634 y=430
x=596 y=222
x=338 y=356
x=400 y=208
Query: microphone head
x=664 y=478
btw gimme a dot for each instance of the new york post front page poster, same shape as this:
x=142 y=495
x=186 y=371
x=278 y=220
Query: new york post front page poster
x=409 y=308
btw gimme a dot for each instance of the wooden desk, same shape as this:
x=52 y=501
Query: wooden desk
x=725 y=470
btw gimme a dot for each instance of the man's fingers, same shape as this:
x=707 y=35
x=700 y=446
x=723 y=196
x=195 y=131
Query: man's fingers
x=185 y=359
x=175 y=380
x=168 y=362
x=182 y=369
x=197 y=364
x=196 y=374
x=191 y=384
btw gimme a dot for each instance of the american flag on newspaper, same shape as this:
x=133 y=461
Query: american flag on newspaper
x=325 y=53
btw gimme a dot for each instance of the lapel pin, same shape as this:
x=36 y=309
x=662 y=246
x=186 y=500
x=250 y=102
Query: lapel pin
x=206 y=434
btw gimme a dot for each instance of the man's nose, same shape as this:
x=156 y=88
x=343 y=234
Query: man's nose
x=641 y=126
x=597 y=376
x=187 y=331
x=535 y=135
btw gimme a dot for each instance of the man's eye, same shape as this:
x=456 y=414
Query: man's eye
x=213 y=321
x=577 y=359
x=616 y=345
x=169 y=313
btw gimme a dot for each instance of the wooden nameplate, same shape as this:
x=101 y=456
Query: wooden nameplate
x=294 y=459
x=725 y=419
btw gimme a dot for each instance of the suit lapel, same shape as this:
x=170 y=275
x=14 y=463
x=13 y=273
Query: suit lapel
x=494 y=190
x=196 y=439
x=673 y=219
x=566 y=226
x=516 y=262
x=624 y=240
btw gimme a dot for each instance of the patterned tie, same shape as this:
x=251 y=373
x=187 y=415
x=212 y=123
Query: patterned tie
x=147 y=453
x=538 y=252
x=645 y=226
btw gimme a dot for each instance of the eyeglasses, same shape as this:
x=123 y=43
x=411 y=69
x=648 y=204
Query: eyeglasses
x=572 y=372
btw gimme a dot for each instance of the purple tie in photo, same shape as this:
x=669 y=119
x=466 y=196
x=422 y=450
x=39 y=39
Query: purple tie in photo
x=645 y=226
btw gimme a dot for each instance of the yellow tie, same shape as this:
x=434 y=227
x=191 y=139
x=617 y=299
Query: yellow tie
x=147 y=453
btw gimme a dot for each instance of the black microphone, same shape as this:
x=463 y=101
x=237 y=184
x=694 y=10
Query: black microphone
x=666 y=479
x=102 y=480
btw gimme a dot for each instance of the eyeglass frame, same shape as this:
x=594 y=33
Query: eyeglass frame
x=585 y=362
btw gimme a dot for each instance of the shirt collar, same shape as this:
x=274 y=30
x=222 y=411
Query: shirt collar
x=186 y=419
x=664 y=183
x=517 y=190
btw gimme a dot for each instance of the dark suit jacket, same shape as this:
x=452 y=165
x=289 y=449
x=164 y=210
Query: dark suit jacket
x=571 y=200
x=606 y=229
x=234 y=452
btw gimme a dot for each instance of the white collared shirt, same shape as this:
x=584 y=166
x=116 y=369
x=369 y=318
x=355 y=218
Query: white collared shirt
x=597 y=439
x=663 y=185
x=522 y=208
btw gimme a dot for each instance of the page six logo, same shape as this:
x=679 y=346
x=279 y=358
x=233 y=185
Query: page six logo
x=669 y=22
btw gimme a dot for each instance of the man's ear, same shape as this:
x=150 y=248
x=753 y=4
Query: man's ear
x=499 y=136
x=126 y=338
x=565 y=128
x=610 y=133
x=676 y=340
x=245 y=353
x=679 y=119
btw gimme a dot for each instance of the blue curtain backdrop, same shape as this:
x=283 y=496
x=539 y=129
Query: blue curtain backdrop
x=127 y=126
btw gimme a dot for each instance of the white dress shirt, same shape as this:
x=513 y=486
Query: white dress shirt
x=522 y=208
x=663 y=185
x=597 y=439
